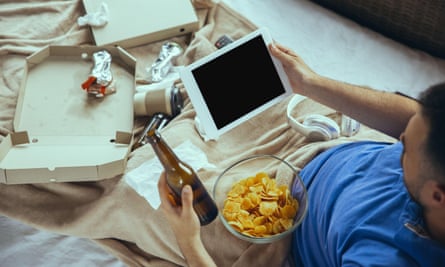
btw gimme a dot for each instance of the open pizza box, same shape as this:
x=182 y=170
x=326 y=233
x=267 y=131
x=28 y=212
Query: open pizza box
x=61 y=132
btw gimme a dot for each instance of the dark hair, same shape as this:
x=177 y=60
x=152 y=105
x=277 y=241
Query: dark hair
x=433 y=109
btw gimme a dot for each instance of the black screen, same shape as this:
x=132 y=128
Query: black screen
x=238 y=81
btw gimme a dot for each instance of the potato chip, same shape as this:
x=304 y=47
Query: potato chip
x=232 y=207
x=256 y=206
x=237 y=190
x=260 y=220
x=267 y=208
x=254 y=198
x=237 y=225
x=246 y=222
x=277 y=227
x=260 y=229
x=246 y=204
x=289 y=211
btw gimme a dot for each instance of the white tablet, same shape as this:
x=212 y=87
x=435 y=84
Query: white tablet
x=235 y=83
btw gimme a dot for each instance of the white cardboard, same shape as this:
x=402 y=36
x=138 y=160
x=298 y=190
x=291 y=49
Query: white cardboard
x=137 y=22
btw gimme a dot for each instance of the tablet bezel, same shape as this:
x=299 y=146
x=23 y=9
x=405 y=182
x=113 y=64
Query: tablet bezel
x=207 y=123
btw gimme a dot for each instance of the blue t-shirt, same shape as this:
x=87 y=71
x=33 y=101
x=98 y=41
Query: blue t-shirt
x=360 y=213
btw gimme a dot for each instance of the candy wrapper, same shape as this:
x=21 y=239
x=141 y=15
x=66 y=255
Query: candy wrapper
x=161 y=67
x=100 y=82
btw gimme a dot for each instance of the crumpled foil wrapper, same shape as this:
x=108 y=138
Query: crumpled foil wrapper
x=100 y=81
x=163 y=64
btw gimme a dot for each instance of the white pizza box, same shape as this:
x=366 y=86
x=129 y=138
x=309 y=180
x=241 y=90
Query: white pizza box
x=137 y=22
x=62 y=133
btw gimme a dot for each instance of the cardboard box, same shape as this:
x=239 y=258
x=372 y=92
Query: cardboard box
x=61 y=133
x=137 y=22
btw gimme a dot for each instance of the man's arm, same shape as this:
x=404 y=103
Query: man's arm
x=384 y=111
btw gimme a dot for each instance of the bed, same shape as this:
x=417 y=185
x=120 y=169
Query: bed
x=107 y=223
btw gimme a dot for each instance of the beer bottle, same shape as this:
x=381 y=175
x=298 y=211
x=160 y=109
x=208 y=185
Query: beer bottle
x=178 y=174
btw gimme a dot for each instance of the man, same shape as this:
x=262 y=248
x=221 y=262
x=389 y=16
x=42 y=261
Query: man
x=371 y=203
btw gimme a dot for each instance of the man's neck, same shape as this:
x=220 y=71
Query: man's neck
x=435 y=225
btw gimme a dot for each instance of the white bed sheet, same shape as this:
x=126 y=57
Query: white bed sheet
x=24 y=246
x=331 y=45
x=336 y=47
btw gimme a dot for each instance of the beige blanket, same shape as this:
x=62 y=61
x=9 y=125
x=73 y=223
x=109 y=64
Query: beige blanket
x=109 y=211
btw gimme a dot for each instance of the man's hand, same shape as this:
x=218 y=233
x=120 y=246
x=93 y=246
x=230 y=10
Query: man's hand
x=185 y=224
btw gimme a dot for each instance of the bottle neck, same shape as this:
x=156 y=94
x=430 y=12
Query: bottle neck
x=163 y=151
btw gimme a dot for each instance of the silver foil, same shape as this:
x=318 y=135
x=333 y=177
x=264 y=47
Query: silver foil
x=163 y=64
x=102 y=68
x=100 y=81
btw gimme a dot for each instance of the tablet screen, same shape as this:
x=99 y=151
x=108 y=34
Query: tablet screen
x=231 y=86
x=239 y=82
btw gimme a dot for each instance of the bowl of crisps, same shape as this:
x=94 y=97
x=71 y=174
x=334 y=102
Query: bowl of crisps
x=261 y=198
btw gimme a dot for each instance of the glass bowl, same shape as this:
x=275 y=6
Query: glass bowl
x=280 y=170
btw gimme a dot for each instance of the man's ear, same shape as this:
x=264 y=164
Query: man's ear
x=437 y=193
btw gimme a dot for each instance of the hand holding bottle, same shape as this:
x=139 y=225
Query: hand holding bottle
x=185 y=224
x=182 y=219
x=178 y=174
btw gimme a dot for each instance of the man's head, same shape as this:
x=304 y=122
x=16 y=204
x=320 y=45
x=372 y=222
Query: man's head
x=423 y=158
x=433 y=111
